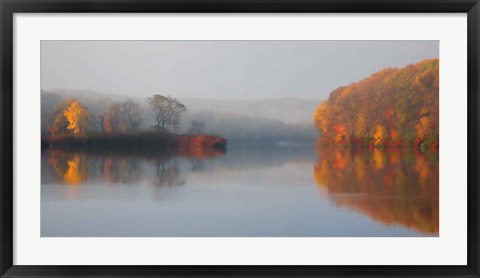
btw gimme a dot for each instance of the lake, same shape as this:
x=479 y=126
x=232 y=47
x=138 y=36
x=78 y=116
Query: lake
x=255 y=191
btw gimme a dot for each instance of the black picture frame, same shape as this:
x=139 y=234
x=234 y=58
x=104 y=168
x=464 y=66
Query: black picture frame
x=9 y=7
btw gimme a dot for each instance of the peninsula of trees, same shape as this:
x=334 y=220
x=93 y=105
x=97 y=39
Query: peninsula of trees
x=70 y=124
x=393 y=107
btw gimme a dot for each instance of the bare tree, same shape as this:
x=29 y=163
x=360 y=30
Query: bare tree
x=196 y=127
x=166 y=112
x=99 y=123
x=96 y=120
x=131 y=116
x=174 y=124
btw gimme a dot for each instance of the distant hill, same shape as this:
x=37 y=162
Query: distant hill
x=250 y=129
x=288 y=110
x=390 y=108
x=84 y=94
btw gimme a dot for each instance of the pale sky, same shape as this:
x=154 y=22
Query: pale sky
x=221 y=69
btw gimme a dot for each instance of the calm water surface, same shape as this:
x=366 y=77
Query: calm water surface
x=246 y=191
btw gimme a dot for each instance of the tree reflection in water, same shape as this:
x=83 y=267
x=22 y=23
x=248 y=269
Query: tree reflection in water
x=115 y=169
x=71 y=169
x=77 y=167
x=167 y=173
x=197 y=165
x=392 y=186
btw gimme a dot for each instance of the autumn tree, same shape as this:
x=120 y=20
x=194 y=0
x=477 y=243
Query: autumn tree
x=69 y=117
x=57 y=123
x=391 y=107
x=166 y=111
x=77 y=117
x=111 y=118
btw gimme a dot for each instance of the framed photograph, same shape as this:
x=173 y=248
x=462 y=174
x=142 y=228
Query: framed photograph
x=239 y=138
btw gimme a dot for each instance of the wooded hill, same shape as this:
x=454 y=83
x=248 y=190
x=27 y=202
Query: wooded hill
x=393 y=107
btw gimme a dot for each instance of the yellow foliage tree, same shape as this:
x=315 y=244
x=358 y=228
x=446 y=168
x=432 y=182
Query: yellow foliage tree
x=77 y=117
x=378 y=135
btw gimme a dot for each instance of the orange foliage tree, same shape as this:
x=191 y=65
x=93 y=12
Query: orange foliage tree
x=77 y=117
x=69 y=117
x=390 y=108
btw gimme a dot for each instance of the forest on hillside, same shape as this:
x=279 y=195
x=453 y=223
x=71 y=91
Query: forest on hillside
x=393 y=107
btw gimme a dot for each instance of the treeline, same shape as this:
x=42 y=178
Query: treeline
x=70 y=118
x=113 y=115
x=393 y=107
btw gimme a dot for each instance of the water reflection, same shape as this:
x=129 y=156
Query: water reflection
x=392 y=186
x=245 y=192
x=72 y=169
x=167 y=173
x=78 y=167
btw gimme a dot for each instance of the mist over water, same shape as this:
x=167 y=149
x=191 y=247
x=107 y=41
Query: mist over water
x=287 y=191
x=219 y=138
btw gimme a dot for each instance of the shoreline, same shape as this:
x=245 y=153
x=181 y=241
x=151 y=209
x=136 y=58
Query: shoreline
x=135 y=141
